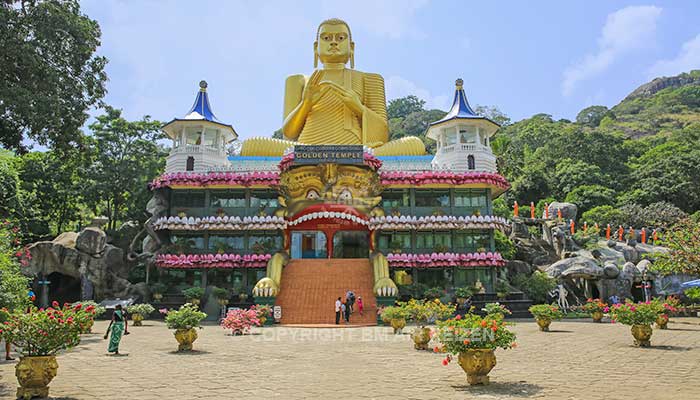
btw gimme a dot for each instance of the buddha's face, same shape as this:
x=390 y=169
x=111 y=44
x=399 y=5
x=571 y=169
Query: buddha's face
x=334 y=45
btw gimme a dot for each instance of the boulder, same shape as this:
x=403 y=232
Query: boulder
x=568 y=210
x=515 y=267
x=575 y=267
x=91 y=241
x=610 y=271
x=66 y=239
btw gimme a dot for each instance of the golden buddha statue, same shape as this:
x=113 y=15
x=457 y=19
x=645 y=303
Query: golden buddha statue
x=335 y=105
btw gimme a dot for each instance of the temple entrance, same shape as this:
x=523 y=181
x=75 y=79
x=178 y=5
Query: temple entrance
x=351 y=244
x=309 y=244
x=63 y=288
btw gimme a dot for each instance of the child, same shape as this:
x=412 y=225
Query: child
x=344 y=310
x=360 y=305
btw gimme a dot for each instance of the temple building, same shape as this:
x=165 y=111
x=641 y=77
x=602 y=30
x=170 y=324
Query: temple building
x=332 y=207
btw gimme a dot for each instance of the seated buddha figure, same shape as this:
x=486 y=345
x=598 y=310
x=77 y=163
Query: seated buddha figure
x=335 y=105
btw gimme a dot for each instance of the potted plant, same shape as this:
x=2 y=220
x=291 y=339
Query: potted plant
x=221 y=295
x=39 y=335
x=544 y=315
x=496 y=311
x=181 y=213
x=463 y=293
x=264 y=312
x=241 y=320
x=502 y=289
x=193 y=294
x=595 y=307
x=473 y=339
x=157 y=291
x=639 y=316
x=139 y=312
x=665 y=309
x=434 y=293
x=85 y=314
x=396 y=316
x=184 y=321
x=422 y=312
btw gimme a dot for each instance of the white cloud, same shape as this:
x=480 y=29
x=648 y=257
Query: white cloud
x=397 y=86
x=393 y=19
x=627 y=29
x=687 y=59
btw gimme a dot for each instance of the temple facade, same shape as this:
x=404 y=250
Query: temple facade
x=247 y=223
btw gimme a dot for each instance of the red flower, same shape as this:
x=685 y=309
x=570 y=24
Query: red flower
x=55 y=304
x=445 y=362
x=78 y=307
x=458 y=317
x=18 y=253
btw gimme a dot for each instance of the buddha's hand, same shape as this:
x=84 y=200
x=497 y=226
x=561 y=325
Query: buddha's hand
x=348 y=96
x=312 y=90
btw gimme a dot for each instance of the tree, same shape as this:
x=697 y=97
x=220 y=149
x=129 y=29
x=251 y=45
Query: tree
x=572 y=173
x=591 y=116
x=403 y=106
x=49 y=73
x=494 y=114
x=9 y=184
x=13 y=285
x=589 y=196
x=126 y=157
x=683 y=242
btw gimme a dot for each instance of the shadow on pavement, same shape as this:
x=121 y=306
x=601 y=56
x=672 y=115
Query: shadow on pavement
x=511 y=389
x=190 y=353
x=668 y=348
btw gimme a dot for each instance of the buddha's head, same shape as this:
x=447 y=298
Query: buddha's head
x=334 y=43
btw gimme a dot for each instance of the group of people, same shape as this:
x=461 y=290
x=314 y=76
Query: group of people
x=345 y=308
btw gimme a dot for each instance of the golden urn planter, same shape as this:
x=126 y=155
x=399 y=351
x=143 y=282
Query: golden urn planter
x=262 y=320
x=461 y=300
x=34 y=375
x=194 y=301
x=157 y=296
x=642 y=334
x=223 y=302
x=662 y=321
x=477 y=363
x=185 y=338
x=421 y=337
x=398 y=324
x=597 y=316
x=136 y=318
x=543 y=323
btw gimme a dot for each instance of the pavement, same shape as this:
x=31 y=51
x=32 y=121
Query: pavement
x=575 y=360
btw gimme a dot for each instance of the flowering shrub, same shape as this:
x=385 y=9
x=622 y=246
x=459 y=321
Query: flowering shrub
x=460 y=334
x=394 y=312
x=240 y=320
x=262 y=310
x=42 y=332
x=94 y=306
x=594 y=305
x=496 y=311
x=187 y=317
x=83 y=316
x=13 y=285
x=630 y=313
x=144 y=309
x=422 y=312
x=546 y=311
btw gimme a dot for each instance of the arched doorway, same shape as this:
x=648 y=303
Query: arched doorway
x=63 y=288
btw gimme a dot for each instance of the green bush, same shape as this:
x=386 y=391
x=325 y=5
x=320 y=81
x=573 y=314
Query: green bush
x=220 y=293
x=504 y=245
x=536 y=286
x=193 y=293
x=144 y=309
x=465 y=292
x=434 y=293
x=414 y=290
x=188 y=316
x=158 y=287
x=693 y=294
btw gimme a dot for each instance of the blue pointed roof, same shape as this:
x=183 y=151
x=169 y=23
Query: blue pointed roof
x=200 y=111
x=460 y=107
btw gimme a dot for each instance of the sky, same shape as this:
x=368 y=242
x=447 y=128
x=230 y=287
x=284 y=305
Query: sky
x=525 y=58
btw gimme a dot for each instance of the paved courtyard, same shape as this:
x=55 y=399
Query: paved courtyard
x=577 y=360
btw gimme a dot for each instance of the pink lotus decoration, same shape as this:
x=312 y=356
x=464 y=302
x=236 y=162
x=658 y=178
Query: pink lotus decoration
x=269 y=222
x=369 y=160
x=444 y=177
x=436 y=260
x=404 y=222
x=215 y=178
x=212 y=260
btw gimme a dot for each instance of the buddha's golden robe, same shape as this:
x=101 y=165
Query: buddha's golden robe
x=330 y=121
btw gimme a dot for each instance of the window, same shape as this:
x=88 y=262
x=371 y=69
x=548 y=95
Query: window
x=193 y=136
x=450 y=136
x=433 y=277
x=210 y=137
x=267 y=242
x=470 y=162
x=226 y=243
x=470 y=198
x=263 y=199
x=186 y=243
x=472 y=240
x=432 y=198
x=394 y=241
x=434 y=241
x=189 y=199
x=469 y=276
x=395 y=198
x=190 y=164
x=467 y=134
x=228 y=199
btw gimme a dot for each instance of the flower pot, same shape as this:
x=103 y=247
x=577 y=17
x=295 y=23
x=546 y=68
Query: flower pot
x=461 y=300
x=185 y=338
x=242 y=297
x=136 y=319
x=642 y=334
x=157 y=296
x=421 y=337
x=543 y=323
x=34 y=375
x=223 y=302
x=597 y=316
x=262 y=320
x=662 y=321
x=477 y=363
x=398 y=324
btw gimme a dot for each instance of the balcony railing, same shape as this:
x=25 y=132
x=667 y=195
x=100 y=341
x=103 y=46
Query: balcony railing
x=196 y=148
x=464 y=147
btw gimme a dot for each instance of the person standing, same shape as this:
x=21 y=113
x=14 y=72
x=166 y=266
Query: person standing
x=347 y=311
x=350 y=299
x=360 y=305
x=117 y=326
x=338 y=305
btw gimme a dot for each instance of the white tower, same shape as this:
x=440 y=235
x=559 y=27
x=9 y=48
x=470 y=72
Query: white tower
x=199 y=139
x=463 y=138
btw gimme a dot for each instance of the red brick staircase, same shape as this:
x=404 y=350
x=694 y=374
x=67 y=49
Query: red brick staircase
x=310 y=288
